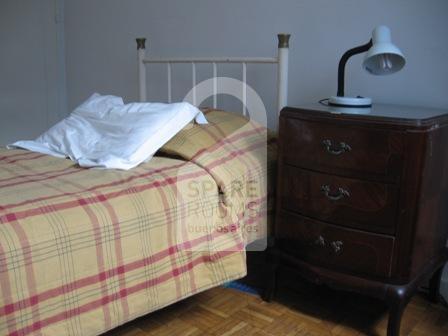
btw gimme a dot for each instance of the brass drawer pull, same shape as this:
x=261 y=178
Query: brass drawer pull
x=320 y=241
x=341 y=193
x=343 y=147
x=337 y=246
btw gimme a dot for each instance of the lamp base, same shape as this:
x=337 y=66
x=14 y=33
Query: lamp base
x=358 y=102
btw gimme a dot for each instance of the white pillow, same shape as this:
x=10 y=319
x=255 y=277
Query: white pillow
x=104 y=132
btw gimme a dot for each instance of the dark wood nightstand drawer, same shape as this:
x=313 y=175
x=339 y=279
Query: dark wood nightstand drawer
x=350 y=202
x=342 y=150
x=335 y=247
x=361 y=200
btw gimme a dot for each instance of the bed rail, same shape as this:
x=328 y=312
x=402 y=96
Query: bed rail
x=281 y=60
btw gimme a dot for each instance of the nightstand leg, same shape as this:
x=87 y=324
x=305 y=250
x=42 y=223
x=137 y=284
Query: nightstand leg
x=434 y=286
x=269 y=291
x=397 y=307
x=271 y=279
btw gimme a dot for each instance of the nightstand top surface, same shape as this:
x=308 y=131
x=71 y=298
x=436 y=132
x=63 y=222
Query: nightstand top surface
x=394 y=113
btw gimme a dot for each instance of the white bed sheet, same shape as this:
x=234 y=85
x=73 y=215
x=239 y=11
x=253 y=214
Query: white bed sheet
x=103 y=132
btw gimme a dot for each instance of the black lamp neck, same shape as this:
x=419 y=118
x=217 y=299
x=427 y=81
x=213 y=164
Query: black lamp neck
x=343 y=61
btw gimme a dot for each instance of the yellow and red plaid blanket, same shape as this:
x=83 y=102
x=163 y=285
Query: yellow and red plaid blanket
x=83 y=251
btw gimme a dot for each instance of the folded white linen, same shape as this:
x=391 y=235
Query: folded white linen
x=103 y=132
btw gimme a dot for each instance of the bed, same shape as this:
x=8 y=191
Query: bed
x=85 y=250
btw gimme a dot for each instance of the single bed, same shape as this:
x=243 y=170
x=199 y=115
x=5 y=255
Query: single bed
x=85 y=250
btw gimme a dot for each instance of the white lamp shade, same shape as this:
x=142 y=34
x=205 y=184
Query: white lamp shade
x=383 y=58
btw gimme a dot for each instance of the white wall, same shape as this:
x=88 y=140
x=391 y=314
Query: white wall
x=32 y=72
x=101 y=53
x=101 y=48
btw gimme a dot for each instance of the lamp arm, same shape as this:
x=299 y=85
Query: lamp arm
x=341 y=69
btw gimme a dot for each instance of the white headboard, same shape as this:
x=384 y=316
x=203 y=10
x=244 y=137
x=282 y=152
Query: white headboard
x=281 y=60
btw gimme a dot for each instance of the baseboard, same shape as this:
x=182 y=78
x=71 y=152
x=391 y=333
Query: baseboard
x=444 y=284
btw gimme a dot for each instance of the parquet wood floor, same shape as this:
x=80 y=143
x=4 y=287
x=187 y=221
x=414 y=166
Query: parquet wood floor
x=309 y=311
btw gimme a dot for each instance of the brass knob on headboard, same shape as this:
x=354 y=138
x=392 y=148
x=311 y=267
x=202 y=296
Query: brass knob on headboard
x=283 y=40
x=140 y=43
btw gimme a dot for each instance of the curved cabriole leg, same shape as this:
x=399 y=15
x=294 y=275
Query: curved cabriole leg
x=397 y=304
x=395 y=314
x=434 y=285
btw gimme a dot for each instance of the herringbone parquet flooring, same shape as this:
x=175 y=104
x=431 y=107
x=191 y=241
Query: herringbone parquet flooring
x=309 y=311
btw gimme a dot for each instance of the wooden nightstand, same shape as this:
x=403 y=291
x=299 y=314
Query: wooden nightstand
x=362 y=201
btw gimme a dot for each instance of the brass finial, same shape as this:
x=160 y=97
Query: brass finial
x=283 y=40
x=140 y=43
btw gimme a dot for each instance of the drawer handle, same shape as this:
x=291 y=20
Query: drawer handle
x=337 y=246
x=341 y=193
x=343 y=147
x=320 y=241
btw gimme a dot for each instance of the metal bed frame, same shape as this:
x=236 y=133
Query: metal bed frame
x=281 y=60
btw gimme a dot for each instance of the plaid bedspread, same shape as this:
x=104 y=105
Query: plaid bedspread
x=83 y=251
